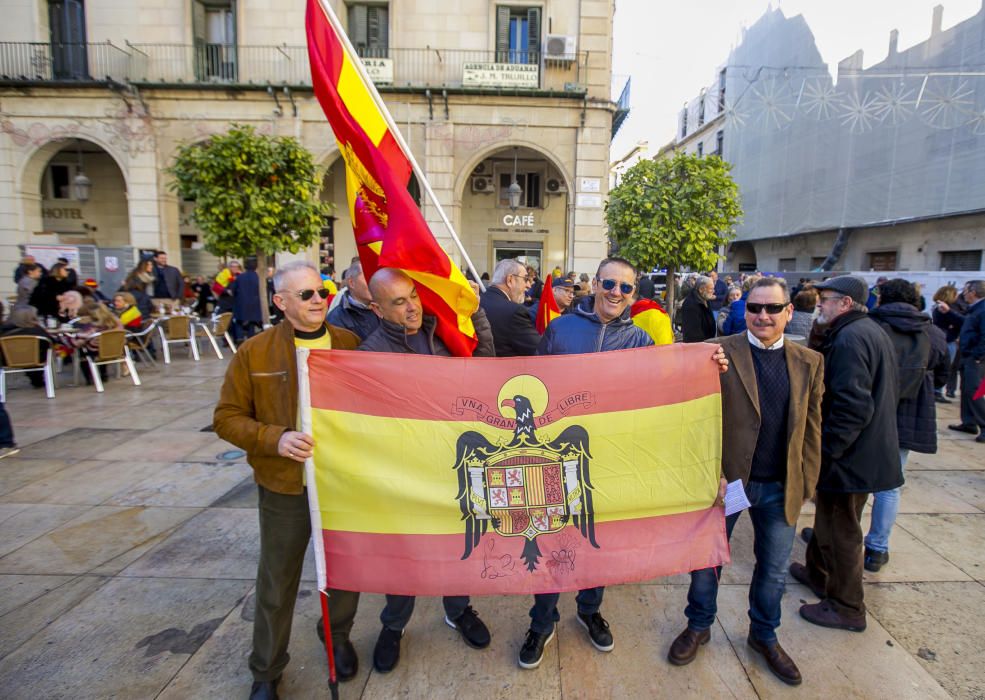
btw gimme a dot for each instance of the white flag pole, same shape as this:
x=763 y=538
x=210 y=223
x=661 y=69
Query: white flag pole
x=380 y=105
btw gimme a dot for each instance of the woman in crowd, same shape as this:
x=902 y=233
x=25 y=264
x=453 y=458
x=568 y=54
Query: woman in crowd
x=804 y=305
x=125 y=307
x=734 y=294
x=45 y=295
x=947 y=317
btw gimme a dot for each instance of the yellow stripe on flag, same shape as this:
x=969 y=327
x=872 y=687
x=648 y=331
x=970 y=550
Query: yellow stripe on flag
x=353 y=92
x=644 y=463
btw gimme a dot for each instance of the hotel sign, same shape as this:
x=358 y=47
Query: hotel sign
x=508 y=75
x=379 y=70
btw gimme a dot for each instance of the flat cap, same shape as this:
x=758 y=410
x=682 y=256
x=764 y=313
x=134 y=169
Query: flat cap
x=847 y=285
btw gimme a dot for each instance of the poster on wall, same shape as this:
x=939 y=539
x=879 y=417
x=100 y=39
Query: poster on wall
x=48 y=255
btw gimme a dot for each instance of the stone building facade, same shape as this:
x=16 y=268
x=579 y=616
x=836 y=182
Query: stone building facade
x=490 y=92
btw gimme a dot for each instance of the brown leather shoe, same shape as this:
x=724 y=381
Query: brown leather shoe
x=825 y=614
x=685 y=647
x=779 y=662
x=800 y=575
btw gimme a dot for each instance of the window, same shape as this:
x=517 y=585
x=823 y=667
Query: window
x=787 y=264
x=882 y=262
x=369 y=29
x=326 y=243
x=720 y=144
x=701 y=111
x=817 y=261
x=961 y=260
x=517 y=34
x=67 y=21
x=214 y=30
x=59 y=182
x=721 y=91
x=684 y=122
x=701 y=148
x=529 y=183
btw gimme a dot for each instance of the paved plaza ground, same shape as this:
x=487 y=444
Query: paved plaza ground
x=128 y=550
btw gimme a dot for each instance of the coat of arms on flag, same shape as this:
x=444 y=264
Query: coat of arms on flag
x=526 y=487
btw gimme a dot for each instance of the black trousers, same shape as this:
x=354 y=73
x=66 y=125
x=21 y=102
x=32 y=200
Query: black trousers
x=834 y=555
x=972 y=372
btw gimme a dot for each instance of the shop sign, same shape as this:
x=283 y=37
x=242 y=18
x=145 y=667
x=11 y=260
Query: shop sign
x=518 y=220
x=508 y=75
x=379 y=70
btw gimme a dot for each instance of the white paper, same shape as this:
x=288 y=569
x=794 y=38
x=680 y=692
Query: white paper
x=735 y=498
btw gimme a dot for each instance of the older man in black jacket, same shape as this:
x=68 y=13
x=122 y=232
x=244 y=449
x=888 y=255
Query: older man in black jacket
x=697 y=321
x=512 y=328
x=405 y=328
x=859 y=450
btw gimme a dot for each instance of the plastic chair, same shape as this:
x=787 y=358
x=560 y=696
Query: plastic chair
x=212 y=328
x=176 y=330
x=221 y=328
x=111 y=350
x=139 y=342
x=20 y=354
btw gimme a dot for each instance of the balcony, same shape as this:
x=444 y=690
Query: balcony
x=205 y=65
x=622 y=108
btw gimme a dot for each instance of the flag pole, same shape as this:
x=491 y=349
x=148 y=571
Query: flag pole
x=380 y=105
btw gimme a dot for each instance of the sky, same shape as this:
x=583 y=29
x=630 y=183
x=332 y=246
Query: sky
x=673 y=49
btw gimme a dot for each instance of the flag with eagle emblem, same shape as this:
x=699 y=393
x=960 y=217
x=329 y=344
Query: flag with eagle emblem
x=454 y=476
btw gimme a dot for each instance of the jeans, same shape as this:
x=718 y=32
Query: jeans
x=396 y=614
x=773 y=540
x=544 y=613
x=885 y=506
x=6 y=429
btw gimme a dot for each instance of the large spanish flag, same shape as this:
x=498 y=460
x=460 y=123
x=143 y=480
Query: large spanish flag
x=438 y=476
x=389 y=228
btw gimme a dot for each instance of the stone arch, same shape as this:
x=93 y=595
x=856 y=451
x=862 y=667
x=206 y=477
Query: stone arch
x=462 y=178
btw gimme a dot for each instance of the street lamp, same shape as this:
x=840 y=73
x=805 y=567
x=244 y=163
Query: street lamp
x=81 y=185
x=514 y=191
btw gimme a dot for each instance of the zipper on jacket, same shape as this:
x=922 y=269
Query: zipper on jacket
x=601 y=338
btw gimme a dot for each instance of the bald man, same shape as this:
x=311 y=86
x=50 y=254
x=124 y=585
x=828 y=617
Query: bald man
x=405 y=328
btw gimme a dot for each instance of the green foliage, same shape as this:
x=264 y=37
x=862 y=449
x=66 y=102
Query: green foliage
x=254 y=194
x=674 y=212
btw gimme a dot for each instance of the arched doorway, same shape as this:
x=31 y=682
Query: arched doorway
x=741 y=257
x=75 y=205
x=531 y=225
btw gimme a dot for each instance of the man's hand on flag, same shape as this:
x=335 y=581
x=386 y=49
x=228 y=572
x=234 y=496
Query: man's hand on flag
x=720 y=499
x=722 y=361
x=295 y=445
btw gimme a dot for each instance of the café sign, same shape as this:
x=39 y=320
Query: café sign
x=508 y=75
x=379 y=70
x=518 y=220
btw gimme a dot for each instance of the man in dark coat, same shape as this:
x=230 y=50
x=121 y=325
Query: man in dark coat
x=246 y=302
x=859 y=450
x=353 y=311
x=404 y=328
x=513 y=330
x=697 y=321
x=921 y=351
x=647 y=289
x=972 y=341
x=721 y=293
x=168 y=283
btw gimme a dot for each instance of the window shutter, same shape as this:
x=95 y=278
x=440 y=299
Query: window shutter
x=358 y=23
x=502 y=33
x=376 y=30
x=533 y=35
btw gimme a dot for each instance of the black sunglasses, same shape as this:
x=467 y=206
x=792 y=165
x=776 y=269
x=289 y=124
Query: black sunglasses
x=756 y=309
x=306 y=294
x=624 y=287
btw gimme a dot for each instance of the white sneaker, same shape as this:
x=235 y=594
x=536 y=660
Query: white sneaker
x=8 y=451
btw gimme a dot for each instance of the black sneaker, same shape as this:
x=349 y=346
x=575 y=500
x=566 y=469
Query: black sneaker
x=875 y=560
x=532 y=651
x=474 y=631
x=386 y=655
x=598 y=631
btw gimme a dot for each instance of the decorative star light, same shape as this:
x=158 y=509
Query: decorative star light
x=859 y=112
x=820 y=100
x=734 y=114
x=948 y=106
x=977 y=123
x=775 y=102
x=893 y=103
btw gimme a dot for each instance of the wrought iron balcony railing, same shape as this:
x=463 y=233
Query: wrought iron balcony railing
x=219 y=64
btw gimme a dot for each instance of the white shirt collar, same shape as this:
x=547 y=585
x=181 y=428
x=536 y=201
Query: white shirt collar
x=756 y=342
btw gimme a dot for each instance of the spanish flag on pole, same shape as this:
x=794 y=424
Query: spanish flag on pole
x=389 y=228
x=517 y=475
x=547 y=308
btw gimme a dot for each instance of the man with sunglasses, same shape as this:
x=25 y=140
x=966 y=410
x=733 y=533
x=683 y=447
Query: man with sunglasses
x=258 y=412
x=599 y=323
x=771 y=441
x=859 y=450
x=513 y=330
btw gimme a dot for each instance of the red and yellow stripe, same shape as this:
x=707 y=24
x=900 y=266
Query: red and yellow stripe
x=386 y=486
x=222 y=280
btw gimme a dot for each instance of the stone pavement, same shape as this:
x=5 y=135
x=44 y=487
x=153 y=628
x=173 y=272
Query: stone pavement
x=128 y=549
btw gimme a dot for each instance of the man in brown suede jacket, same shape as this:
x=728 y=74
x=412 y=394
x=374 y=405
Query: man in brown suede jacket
x=258 y=412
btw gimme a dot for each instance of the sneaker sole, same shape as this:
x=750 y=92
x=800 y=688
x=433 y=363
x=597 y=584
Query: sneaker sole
x=594 y=643
x=532 y=666
x=468 y=642
x=12 y=452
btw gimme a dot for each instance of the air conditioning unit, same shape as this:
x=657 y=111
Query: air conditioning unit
x=555 y=186
x=480 y=168
x=560 y=47
x=482 y=184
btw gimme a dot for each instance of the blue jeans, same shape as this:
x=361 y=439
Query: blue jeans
x=773 y=540
x=396 y=614
x=885 y=506
x=544 y=614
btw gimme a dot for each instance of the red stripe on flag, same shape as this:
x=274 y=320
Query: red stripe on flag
x=629 y=550
x=445 y=395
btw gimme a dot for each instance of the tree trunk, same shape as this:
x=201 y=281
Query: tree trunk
x=671 y=292
x=262 y=273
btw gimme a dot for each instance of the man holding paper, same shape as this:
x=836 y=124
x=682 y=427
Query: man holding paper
x=771 y=414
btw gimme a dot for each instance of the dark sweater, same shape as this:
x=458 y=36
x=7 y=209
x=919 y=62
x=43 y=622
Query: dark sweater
x=769 y=461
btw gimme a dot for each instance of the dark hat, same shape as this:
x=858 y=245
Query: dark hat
x=563 y=282
x=847 y=285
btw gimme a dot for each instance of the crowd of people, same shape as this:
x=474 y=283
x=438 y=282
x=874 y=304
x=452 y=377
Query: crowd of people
x=823 y=398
